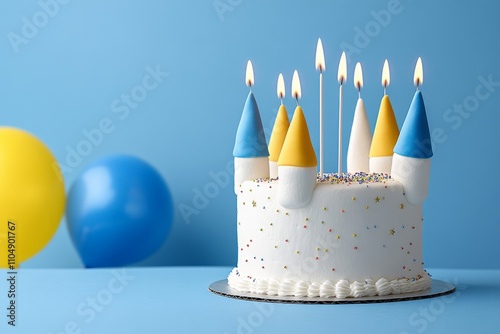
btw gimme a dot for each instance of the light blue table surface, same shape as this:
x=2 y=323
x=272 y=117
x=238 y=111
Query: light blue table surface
x=177 y=300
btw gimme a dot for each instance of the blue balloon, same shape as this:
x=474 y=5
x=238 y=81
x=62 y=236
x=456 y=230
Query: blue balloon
x=119 y=211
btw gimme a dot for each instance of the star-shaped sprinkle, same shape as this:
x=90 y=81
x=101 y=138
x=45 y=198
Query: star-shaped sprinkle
x=402 y=206
x=392 y=231
x=254 y=204
x=377 y=199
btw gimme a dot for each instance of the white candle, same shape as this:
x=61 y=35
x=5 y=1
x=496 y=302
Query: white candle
x=320 y=66
x=341 y=76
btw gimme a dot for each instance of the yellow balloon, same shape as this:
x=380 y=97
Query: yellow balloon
x=32 y=197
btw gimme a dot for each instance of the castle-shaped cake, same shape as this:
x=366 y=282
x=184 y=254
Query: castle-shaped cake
x=340 y=235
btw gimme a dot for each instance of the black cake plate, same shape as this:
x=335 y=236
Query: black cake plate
x=438 y=288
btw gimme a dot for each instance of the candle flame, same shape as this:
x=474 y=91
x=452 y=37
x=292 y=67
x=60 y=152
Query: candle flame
x=358 y=76
x=249 y=81
x=342 y=72
x=281 y=87
x=296 y=91
x=386 y=74
x=320 y=56
x=418 y=77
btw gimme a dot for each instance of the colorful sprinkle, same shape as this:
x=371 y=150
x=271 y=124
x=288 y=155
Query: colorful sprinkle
x=347 y=178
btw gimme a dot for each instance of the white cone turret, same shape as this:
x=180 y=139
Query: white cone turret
x=358 y=152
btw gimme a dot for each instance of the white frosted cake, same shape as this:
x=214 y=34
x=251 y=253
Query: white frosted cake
x=357 y=237
x=340 y=235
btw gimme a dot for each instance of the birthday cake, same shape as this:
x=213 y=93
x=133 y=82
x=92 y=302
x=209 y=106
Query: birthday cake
x=308 y=234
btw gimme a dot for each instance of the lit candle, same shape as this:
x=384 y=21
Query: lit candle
x=251 y=156
x=358 y=152
x=297 y=162
x=320 y=66
x=280 y=129
x=249 y=78
x=386 y=131
x=341 y=76
x=413 y=151
x=386 y=76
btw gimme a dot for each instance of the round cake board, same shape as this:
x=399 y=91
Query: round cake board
x=438 y=288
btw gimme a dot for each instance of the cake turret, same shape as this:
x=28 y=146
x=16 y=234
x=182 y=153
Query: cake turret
x=385 y=134
x=358 y=152
x=413 y=151
x=279 y=131
x=297 y=162
x=251 y=156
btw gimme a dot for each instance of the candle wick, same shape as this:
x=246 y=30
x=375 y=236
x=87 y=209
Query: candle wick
x=297 y=99
x=385 y=90
x=281 y=98
x=359 y=93
x=250 y=85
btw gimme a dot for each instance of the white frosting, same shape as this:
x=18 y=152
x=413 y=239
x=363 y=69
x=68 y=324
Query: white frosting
x=350 y=240
x=381 y=165
x=358 y=152
x=328 y=289
x=296 y=186
x=414 y=174
x=248 y=169
x=273 y=169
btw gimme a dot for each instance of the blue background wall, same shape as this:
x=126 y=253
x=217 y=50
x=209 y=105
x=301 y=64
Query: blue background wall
x=70 y=74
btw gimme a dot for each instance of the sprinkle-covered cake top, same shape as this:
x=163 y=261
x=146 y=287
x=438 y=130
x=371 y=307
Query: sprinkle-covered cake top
x=342 y=178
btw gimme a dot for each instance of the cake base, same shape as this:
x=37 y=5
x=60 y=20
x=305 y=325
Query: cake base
x=438 y=288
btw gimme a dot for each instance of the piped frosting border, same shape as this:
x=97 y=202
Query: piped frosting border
x=328 y=289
